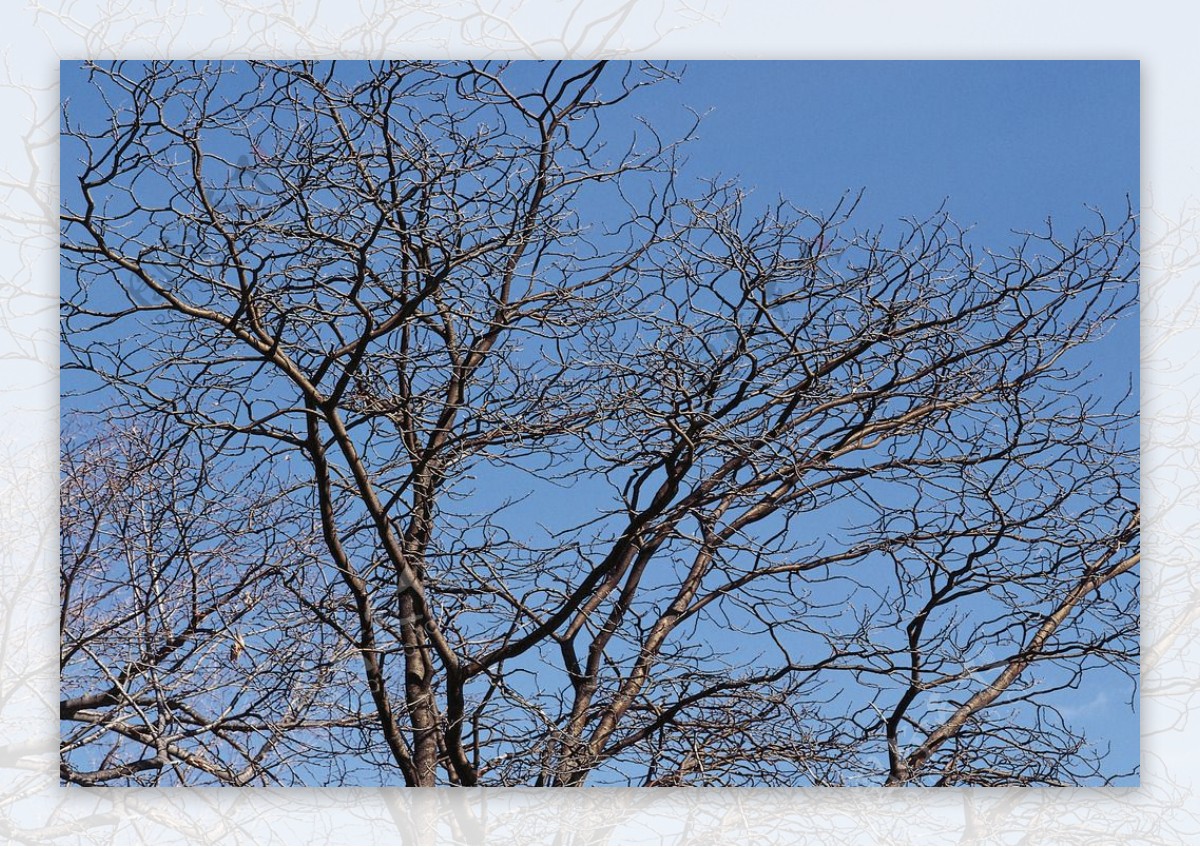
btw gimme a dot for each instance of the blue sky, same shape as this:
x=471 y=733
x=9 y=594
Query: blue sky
x=1002 y=145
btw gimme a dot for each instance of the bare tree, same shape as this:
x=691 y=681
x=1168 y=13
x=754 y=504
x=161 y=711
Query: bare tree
x=171 y=570
x=600 y=474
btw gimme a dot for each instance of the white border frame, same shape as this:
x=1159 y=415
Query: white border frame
x=33 y=808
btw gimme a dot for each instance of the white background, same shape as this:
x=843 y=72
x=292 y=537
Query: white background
x=33 y=808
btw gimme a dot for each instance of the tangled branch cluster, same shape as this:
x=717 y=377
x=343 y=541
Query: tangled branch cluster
x=443 y=430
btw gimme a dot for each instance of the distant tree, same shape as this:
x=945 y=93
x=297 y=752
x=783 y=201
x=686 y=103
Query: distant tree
x=503 y=451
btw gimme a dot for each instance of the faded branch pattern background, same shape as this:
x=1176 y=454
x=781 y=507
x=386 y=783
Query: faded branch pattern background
x=1161 y=811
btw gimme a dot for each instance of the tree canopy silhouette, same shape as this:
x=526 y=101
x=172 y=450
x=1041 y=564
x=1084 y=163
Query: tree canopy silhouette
x=432 y=423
